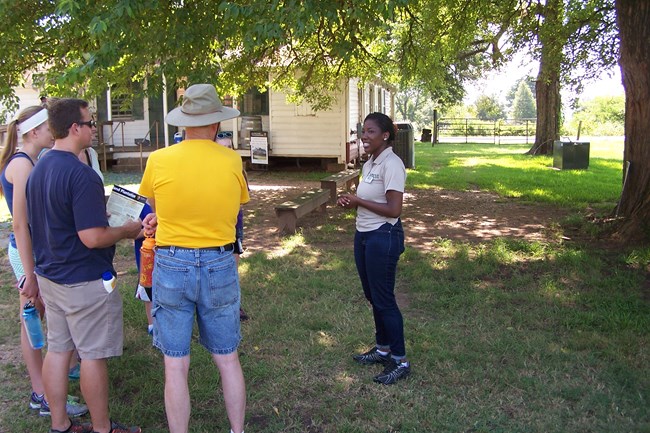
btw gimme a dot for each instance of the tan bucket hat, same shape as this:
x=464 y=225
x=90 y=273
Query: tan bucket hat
x=201 y=106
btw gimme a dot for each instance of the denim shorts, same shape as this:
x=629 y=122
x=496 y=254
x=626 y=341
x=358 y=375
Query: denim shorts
x=202 y=282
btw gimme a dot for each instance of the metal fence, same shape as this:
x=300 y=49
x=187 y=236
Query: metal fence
x=502 y=131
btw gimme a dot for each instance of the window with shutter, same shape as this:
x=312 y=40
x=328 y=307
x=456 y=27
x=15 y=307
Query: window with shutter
x=127 y=106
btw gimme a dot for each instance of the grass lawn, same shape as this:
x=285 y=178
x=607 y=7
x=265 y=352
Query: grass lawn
x=503 y=336
x=501 y=169
x=507 y=171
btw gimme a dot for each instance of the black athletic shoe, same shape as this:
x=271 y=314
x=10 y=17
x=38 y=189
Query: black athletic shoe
x=371 y=357
x=393 y=372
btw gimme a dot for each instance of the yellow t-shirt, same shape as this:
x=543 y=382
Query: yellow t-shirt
x=198 y=187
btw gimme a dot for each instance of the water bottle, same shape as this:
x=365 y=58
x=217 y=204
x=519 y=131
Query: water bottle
x=147 y=254
x=110 y=282
x=33 y=325
x=178 y=137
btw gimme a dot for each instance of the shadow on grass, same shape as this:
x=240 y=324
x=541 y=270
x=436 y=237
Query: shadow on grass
x=503 y=336
x=506 y=171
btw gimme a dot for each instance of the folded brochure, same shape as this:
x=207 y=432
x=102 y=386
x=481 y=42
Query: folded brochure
x=124 y=205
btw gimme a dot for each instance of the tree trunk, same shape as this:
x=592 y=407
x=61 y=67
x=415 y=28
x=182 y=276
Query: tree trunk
x=547 y=87
x=633 y=18
x=547 y=90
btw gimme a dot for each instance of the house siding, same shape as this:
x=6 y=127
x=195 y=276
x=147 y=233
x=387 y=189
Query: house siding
x=27 y=97
x=354 y=116
x=298 y=131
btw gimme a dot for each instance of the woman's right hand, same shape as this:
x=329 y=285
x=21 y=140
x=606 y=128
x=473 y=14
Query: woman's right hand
x=348 y=201
x=30 y=287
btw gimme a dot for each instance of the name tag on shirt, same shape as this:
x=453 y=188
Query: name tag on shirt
x=370 y=177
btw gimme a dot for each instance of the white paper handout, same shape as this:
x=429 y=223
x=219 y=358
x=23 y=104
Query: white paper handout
x=124 y=205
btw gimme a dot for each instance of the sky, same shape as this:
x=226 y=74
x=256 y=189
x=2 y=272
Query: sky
x=499 y=83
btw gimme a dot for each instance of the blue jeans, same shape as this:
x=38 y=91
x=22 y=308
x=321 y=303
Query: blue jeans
x=376 y=254
x=202 y=282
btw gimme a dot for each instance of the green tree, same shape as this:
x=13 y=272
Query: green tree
x=523 y=106
x=602 y=115
x=414 y=106
x=305 y=47
x=489 y=108
x=574 y=40
x=512 y=92
x=634 y=206
x=302 y=47
x=459 y=111
x=438 y=45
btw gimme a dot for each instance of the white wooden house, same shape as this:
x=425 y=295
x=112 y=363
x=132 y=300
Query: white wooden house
x=294 y=131
x=298 y=131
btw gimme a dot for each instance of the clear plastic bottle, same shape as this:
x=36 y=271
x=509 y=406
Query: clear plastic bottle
x=33 y=326
x=110 y=282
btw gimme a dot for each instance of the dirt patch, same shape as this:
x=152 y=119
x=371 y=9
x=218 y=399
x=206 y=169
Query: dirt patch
x=466 y=216
x=474 y=216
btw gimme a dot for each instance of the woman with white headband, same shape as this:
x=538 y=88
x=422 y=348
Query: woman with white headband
x=26 y=137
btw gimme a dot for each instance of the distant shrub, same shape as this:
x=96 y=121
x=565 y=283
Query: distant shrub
x=603 y=116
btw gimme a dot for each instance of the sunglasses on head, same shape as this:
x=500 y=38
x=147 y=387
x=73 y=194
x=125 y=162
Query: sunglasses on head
x=224 y=134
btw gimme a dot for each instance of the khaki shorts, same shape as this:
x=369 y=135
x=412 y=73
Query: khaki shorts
x=83 y=316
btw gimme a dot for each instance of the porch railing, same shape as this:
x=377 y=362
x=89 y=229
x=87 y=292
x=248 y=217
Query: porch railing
x=104 y=154
x=154 y=127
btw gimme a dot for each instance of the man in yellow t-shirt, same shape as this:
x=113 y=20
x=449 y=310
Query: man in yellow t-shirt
x=196 y=188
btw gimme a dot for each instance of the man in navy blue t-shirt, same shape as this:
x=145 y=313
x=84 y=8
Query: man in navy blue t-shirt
x=73 y=247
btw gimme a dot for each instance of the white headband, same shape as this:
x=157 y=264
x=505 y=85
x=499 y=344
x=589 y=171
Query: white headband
x=33 y=122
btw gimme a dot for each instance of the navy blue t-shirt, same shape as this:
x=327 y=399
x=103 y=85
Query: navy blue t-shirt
x=65 y=196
